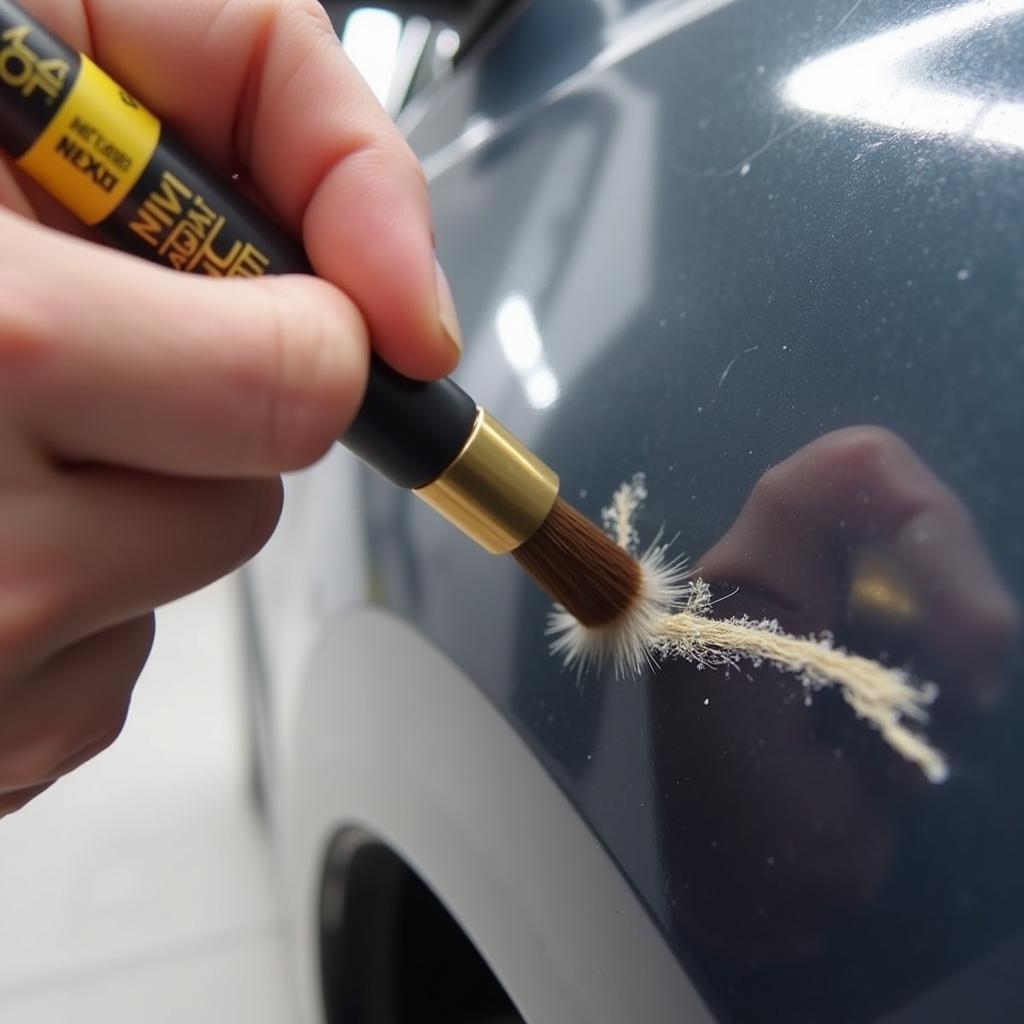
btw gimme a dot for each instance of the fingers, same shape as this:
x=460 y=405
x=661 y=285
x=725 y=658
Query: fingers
x=139 y=541
x=87 y=551
x=264 y=86
x=107 y=358
x=71 y=709
x=94 y=547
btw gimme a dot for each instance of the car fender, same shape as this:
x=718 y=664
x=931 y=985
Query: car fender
x=397 y=741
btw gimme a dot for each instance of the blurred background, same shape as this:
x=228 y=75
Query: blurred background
x=139 y=888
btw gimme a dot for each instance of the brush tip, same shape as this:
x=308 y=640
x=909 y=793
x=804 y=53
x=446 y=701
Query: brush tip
x=580 y=567
x=607 y=603
x=626 y=643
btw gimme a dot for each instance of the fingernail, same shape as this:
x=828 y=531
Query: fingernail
x=446 y=309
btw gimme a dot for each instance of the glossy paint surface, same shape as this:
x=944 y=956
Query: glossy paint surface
x=702 y=240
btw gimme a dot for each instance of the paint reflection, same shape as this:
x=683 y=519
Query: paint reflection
x=523 y=348
x=784 y=824
x=881 y=80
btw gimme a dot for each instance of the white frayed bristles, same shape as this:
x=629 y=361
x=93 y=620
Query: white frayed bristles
x=619 y=518
x=886 y=697
x=628 y=642
x=672 y=619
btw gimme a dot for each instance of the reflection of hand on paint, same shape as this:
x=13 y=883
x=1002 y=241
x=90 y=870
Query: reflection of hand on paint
x=145 y=415
x=853 y=535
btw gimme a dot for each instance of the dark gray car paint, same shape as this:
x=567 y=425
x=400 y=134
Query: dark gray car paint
x=717 y=278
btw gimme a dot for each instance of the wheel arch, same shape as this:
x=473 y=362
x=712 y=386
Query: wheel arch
x=393 y=740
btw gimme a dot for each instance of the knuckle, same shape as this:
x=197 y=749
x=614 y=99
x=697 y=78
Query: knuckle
x=275 y=14
x=26 y=338
x=865 y=452
x=312 y=12
x=308 y=369
x=305 y=19
x=29 y=617
x=274 y=438
x=848 y=459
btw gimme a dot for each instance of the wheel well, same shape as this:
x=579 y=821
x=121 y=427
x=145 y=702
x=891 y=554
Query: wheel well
x=390 y=951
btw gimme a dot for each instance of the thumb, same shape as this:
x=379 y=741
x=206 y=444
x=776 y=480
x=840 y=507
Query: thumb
x=106 y=358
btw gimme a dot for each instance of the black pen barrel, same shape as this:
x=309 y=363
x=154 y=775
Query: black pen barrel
x=108 y=159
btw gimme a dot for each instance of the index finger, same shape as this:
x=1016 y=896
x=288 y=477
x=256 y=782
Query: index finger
x=263 y=86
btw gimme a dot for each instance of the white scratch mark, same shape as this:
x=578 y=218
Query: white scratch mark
x=844 y=19
x=728 y=370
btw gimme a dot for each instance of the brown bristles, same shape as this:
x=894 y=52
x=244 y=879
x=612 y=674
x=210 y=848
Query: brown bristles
x=580 y=567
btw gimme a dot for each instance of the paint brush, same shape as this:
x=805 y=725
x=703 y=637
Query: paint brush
x=105 y=157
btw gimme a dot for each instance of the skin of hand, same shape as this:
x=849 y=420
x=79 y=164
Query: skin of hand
x=145 y=415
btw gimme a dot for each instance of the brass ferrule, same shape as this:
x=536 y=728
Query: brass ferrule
x=496 y=490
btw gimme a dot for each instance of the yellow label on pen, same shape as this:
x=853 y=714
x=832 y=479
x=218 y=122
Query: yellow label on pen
x=96 y=147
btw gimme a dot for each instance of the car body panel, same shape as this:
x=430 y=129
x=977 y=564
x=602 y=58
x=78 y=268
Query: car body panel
x=696 y=240
x=466 y=805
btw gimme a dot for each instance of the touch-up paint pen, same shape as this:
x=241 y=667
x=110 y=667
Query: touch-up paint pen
x=109 y=160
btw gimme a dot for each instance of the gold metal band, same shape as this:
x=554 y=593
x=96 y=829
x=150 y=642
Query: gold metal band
x=496 y=491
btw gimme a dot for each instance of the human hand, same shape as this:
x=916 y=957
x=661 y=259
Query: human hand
x=144 y=414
